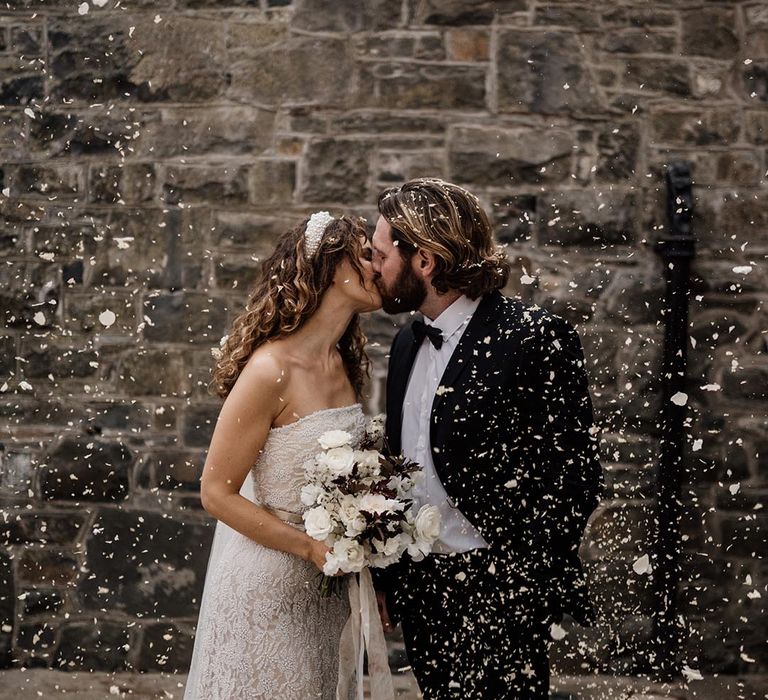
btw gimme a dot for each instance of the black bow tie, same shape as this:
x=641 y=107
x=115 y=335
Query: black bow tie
x=423 y=330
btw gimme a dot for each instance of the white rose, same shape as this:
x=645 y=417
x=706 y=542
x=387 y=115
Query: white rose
x=338 y=461
x=349 y=554
x=381 y=561
x=332 y=565
x=369 y=461
x=334 y=438
x=418 y=549
x=350 y=516
x=427 y=523
x=310 y=494
x=318 y=523
x=376 y=503
x=392 y=546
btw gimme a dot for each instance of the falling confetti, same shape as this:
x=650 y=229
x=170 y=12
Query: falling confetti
x=642 y=565
x=691 y=674
x=557 y=632
x=679 y=398
x=107 y=318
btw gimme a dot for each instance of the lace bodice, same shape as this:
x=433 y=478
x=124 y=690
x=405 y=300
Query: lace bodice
x=278 y=474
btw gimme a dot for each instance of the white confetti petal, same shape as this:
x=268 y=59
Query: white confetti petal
x=697 y=444
x=39 y=318
x=107 y=318
x=734 y=489
x=692 y=674
x=680 y=399
x=556 y=631
x=711 y=387
x=642 y=565
x=83 y=9
x=743 y=269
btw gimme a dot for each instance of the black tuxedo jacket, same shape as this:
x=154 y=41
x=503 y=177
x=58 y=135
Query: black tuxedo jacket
x=512 y=439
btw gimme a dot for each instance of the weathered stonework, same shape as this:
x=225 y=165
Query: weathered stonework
x=151 y=153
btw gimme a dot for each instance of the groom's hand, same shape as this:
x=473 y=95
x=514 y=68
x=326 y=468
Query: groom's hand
x=381 y=599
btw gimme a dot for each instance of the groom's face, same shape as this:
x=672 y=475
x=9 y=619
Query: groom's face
x=400 y=287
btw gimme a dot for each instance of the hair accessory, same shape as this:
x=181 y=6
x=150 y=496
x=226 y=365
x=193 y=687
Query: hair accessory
x=314 y=231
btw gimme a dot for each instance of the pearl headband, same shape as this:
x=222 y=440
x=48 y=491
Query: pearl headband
x=314 y=231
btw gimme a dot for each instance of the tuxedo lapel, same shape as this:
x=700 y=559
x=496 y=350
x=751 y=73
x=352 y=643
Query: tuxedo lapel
x=463 y=356
x=400 y=364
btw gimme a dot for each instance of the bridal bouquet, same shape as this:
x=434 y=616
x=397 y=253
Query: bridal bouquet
x=360 y=505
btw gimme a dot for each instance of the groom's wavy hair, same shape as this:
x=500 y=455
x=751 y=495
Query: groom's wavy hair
x=287 y=292
x=448 y=221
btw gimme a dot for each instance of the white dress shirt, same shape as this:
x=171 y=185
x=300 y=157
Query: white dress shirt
x=457 y=534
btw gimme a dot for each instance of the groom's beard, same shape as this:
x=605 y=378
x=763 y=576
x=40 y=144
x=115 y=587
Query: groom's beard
x=407 y=293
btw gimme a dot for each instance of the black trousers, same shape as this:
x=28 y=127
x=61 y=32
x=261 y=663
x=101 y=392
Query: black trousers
x=471 y=631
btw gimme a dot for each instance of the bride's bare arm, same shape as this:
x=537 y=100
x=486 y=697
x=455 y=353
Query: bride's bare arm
x=241 y=430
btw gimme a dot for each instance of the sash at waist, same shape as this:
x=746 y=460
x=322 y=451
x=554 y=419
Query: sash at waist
x=285 y=515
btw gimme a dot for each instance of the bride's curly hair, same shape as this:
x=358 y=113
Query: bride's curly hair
x=287 y=292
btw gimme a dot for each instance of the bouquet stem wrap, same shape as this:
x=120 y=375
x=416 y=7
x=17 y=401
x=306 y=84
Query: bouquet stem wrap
x=361 y=633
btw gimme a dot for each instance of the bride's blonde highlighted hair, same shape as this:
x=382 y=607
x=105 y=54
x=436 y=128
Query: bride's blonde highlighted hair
x=287 y=292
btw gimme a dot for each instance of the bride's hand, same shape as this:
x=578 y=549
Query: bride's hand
x=317 y=552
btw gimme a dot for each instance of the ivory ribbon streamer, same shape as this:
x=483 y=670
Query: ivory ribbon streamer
x=362 y=633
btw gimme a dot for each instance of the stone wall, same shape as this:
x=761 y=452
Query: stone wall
x=152 y=151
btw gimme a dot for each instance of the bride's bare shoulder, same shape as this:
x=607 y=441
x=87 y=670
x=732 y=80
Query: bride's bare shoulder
x=265 y=367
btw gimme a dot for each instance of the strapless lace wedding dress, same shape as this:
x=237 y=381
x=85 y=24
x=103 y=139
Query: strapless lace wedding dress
x=264 y=632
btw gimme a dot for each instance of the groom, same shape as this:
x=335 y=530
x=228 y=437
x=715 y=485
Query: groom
x=489 y=394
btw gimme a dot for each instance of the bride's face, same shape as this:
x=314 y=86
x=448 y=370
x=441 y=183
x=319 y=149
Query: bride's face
x=363 y=293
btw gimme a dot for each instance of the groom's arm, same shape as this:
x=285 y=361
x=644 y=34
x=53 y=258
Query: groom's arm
x=562 y=420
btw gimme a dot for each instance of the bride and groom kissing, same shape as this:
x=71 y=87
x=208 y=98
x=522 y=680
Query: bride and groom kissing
x=487 y=393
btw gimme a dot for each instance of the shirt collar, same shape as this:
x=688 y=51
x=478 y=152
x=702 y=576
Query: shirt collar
x=456 y=316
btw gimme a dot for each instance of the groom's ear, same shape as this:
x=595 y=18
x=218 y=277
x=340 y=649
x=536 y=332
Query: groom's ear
x=425 y=262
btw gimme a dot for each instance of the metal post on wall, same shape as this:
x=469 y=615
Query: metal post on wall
x=676 y=248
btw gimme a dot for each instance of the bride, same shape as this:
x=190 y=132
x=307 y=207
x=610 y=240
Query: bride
x=291 y=368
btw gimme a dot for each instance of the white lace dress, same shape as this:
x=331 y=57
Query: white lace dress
x=264 y=632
